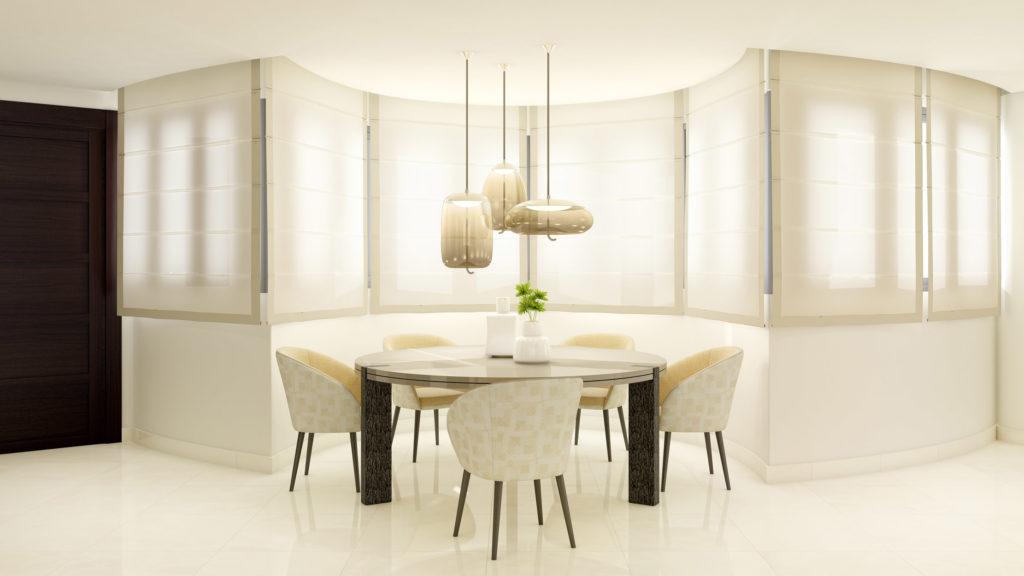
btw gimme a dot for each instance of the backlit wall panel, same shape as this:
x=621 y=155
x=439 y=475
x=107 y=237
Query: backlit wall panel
x=189 y=188
x=316 y=135
x=622 y=161
x=724 y=197
x=963 y=126
x=846 y=196
x=418 y=158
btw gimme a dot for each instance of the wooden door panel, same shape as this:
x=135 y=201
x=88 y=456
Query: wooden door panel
x=58 y=166
x=44 y=226
x=39 y=287
x=56 y=302
x=55 y=408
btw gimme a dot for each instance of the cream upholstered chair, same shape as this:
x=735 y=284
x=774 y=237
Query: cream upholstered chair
x=323 y=396
x=515 y=431
x=603 y=398
x=419 y=397
x=696 y=396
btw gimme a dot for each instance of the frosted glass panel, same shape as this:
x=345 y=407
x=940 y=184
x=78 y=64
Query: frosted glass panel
x=419 y=160
x=188 y=244
x=619 y=160
x=846 y=195
x=315 y=176
x=725 y=131
x=964 y=196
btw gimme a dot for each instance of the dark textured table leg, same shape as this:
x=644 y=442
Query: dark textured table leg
x=376 y=443
x=643 y=442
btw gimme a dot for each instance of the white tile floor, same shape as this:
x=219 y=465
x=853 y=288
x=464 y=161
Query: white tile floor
x=123 y=509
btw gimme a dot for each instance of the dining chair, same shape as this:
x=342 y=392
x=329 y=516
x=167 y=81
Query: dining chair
x=419 y=397
x=696 y=396
x=512 y=431
x=603 y=398
x=323 y=397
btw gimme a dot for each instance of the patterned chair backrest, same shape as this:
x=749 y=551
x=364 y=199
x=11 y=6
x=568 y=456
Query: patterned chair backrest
x=403 y=395
x=615 y=341
x=618 y=394
x=404 y=341
x=515 y=430
x=323 y=394
x=696 y=392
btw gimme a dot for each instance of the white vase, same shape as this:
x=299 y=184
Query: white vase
x=532 y=347
x=501 y=330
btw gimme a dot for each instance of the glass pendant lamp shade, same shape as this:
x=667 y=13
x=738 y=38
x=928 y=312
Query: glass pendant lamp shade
x=466 y=239
x=547 y=217
x=504 y=188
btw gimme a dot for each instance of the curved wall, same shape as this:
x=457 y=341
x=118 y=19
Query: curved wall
x=812 y=401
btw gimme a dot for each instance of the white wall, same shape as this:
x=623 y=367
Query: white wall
x=57 y=95
x=201 y=383
x=1011 y=322
x=841 y=392
x=805 y=395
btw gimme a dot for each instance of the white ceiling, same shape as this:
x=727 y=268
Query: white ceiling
x=607 y=49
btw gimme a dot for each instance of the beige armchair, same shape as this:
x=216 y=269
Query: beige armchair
x=323 y=396
x=419 y=397
x=515 y=431
x=696 y=396
x=603 y=398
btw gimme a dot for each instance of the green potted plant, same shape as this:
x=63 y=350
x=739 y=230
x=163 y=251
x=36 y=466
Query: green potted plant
x=532 y=346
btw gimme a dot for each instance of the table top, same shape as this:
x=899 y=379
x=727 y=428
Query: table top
x=466 y=365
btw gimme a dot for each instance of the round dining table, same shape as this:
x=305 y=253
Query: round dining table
x=466 y=367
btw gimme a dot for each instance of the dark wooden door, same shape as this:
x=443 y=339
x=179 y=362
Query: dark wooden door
x=59 y=335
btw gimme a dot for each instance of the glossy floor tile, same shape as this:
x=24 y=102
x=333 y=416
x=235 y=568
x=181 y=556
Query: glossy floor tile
x=121 y=509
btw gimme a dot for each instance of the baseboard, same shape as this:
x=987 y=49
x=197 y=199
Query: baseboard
x=779 y=473
x=1011 y=435
x=224 y=457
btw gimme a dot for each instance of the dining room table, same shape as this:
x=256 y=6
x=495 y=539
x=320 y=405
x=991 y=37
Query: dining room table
x=467 y=367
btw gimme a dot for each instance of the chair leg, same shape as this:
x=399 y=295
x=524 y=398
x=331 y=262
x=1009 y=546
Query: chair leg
x=540 y=510
x=462 y=501
x=295 y=464
x=664 y=461
x=437 y=430
x=309 y=452
x=416 y=435
x=497 y=518
x=707 y=447
x=355 y=458
x=560 y=481
x=576 y=442
x=607 y=435
x=394 y=423
x=721 y=454
x=622 y=424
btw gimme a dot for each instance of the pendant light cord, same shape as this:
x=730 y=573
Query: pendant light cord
x=504 y=209
x=549 y=48
x=468 y=271
x=503 y=114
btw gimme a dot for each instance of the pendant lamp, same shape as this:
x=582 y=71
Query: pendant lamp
x=549 y=217
x=466 y=239
x=504 y=186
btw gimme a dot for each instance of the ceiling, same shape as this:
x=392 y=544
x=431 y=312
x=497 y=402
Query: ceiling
x=607 y=49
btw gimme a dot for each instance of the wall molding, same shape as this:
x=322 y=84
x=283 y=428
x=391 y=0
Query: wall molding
x=783 y=473
x=267 y=464
x=1011 y=435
